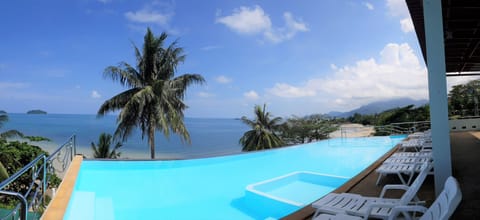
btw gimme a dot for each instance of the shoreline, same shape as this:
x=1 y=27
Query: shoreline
x=348 y=130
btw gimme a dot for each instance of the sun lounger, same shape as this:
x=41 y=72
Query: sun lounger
x=441 y=209
x=400 y=169
x=412 y=154
x=416 y=145
x=403 y=165
x=377 y=207
x=411 y=160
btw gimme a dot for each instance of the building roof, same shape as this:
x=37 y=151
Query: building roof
x=461 y=22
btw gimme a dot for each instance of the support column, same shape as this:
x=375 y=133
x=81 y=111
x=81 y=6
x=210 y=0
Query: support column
x=437 y=88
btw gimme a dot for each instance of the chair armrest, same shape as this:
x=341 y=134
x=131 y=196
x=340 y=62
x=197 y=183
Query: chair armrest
x=404 y=209
x=393 y=186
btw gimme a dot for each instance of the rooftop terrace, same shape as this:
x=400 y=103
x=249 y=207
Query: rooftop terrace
x=465 y=150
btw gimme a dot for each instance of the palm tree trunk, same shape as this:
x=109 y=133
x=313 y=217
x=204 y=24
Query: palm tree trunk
x=151 y=140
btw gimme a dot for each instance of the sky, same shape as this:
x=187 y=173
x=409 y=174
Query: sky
x=297 y=57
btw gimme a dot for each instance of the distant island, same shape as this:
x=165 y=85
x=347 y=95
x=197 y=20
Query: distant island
x=37 y=111
x=3 y=112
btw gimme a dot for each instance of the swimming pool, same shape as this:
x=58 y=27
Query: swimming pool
x=217 y=188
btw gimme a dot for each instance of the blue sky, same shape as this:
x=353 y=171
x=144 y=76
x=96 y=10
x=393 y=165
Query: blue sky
x=298 y=57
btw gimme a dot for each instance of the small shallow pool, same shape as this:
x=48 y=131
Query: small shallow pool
x=267 y=184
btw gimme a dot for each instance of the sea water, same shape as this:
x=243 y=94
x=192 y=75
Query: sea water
x=209 y=137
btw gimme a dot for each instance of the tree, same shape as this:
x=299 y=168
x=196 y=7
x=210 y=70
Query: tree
x=299 y=130
x=3 y=173
x=262 y=135
x=10 y=133
x=463 y=99
x=102 y=149
x=154 y=97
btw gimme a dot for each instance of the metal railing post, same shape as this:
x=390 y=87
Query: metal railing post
x=74 y=151
x=44 y=180
x=23 y=201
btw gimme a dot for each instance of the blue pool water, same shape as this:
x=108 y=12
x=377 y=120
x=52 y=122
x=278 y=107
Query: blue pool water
x=214 y=188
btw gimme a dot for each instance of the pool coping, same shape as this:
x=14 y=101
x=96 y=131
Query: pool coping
x=307 y=211
x=58 y=206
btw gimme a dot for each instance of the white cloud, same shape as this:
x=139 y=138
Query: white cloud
x=95 y=94
x=407 y=25
x=104 y=1
x=251 y=95
x=245 y=20
x=148 y=15
x=252 y=21
x=398 y=8
x=396 y=73
x=287 y=91
x=368 y=5
x=210 y=47
x=13 y=85
x=205 y=95
x=223 y=79
x=292 y=27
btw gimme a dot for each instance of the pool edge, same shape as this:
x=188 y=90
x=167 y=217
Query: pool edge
x=58 y=206
x=307 y=211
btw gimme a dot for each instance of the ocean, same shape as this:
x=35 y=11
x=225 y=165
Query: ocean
x=209 y=137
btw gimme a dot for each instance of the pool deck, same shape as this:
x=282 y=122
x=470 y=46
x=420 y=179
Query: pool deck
x=465 y=154
x=58 y=206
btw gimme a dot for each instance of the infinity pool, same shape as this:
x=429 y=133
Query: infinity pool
x=221 y=187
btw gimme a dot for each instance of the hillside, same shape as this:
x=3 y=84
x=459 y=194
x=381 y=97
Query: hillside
x=380 y=106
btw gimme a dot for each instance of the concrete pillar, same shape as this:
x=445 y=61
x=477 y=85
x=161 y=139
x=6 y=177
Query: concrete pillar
x=437 y=87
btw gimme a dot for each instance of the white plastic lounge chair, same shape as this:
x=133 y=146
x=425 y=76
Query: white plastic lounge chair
x=412 y=154
x=401 y=169
x=376 y=207
x=418 y=159
x=441 y=209
x=416 y=145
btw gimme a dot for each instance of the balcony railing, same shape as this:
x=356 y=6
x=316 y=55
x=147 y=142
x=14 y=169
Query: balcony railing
x=33 y=197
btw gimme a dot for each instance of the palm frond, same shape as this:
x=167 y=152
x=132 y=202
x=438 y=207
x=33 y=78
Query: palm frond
x=10 y=134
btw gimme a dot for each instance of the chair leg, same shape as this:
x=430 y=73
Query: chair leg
x=380 y=175
x=401 y=178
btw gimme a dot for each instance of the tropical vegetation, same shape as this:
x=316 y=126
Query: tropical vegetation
x=103 y=148
x=263 y=131
x=299 y=130
x=154 y=99
x=10 y=133
x=408 y=113
x=14 y=155
x=463 y=99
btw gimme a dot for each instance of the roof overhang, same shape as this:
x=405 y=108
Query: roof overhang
x=461 y=32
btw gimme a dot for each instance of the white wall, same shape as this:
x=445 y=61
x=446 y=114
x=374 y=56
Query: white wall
x=470 y=124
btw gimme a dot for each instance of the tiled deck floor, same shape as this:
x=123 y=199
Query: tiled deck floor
x=466 y=168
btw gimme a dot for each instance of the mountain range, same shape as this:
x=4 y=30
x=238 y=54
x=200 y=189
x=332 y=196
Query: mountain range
x=379 y=106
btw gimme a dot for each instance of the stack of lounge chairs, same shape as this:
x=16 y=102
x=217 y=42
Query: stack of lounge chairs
x=408 y=161
x=441 y=209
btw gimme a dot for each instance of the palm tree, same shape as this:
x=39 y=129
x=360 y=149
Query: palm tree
x=10 y=133
x=154 y=98
x=102 y=150
x=262 y=135
x=3 y=172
